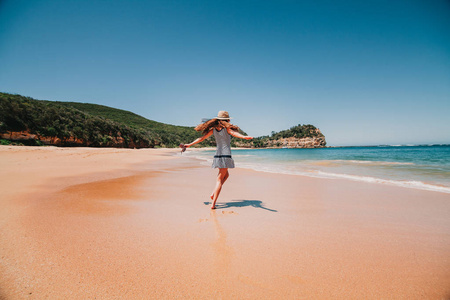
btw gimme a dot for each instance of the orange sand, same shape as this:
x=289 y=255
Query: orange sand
x=119 y=223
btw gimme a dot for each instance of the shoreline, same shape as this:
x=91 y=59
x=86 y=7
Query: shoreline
x=83 y=223
x=410 y=184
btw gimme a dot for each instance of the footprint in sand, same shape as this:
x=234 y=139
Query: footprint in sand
x=224 y=212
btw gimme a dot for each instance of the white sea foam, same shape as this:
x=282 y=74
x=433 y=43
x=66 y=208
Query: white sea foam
x=320 y=174
x=366 y=162
x=403 y=183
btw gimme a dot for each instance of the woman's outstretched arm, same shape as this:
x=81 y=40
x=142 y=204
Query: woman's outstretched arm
x=238 y=135
x=200 y=139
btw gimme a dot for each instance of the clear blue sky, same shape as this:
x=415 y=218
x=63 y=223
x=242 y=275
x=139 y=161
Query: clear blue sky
x=364 y=72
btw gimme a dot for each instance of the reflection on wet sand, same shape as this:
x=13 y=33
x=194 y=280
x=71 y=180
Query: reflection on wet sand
x=223 y=253
x=99 y=197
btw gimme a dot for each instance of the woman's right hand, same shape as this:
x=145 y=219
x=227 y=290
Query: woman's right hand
x=183 y=147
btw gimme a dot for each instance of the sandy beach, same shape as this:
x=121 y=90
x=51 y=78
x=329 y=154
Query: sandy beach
x=89 y=223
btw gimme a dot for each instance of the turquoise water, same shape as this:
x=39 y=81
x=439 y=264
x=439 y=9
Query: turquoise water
x=420 y=167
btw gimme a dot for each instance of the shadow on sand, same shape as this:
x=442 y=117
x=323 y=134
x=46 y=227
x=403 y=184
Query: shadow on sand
x=241 y=203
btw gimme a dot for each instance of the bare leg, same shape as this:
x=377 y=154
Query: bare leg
x=221 y=178
x=223 y=181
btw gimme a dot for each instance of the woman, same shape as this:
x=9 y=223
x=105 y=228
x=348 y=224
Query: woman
x=222 y=129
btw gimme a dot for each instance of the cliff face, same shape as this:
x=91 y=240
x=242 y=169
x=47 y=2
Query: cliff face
x=293 y=142
x=24 y=136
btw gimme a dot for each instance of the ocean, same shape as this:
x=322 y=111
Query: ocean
x=425 y=167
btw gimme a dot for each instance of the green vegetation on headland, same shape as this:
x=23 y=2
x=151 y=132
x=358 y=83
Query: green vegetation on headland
x=300 y=136
x=40 y=122
x=83 y=124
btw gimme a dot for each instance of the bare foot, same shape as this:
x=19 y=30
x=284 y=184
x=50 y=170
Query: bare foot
x=212 y=196
x=213 y=207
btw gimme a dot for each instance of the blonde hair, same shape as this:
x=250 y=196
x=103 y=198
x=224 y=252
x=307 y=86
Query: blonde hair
x=208 y=125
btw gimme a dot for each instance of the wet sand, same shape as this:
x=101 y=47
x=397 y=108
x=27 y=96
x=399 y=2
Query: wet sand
x=132 y=224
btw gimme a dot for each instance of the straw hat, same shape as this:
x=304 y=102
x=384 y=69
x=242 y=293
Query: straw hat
x=223 y=115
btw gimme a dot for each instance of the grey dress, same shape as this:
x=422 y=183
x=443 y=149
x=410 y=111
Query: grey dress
x=223 y=158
